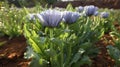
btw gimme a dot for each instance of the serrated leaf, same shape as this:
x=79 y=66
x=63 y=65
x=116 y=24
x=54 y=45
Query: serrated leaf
x=37 y=60
x=35 y=46
x=27 y=33
x=34 y=34
x=77 y=56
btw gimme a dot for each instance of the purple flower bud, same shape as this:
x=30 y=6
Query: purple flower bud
x=90 y=10
x=80 y=9
x=70 y=17
x=104 y=14
x=50 y=18
x=96 y=13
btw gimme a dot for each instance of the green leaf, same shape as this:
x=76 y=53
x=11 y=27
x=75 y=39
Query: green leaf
x=35 y=63
x=31 y=39
x=29 y=53
x=84 y=60
x=27 y=33
x=86 y=45
x=69 y=7
x=114 y=53
x=114 y=33
x=38 y=62
x=35 y=46
x=50 y=52
x=77 y=56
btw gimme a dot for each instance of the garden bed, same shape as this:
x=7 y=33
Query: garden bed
x=12 y=52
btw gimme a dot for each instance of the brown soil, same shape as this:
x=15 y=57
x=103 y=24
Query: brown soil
x=12 y=52
x=103 y=59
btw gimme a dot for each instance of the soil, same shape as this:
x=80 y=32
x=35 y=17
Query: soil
x=12 y=52
x=103 y=59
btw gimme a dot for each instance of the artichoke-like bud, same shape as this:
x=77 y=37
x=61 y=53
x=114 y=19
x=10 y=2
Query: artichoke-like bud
x=104 y=14
x=50 y=18
x=90 y=10
x=96 y=13
x=70 y=17
x=80 y=9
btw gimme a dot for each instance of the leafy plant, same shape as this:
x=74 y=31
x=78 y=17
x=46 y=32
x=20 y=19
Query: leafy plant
x=11 y=20
x=114 y=51
x=62 y=44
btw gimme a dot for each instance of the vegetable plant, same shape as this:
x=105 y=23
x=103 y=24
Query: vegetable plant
x=56 y=43
x=114 y=50
x=11 y=21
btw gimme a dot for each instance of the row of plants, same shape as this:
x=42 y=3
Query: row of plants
x=59 y=37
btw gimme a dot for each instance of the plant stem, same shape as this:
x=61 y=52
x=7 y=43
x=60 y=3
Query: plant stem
x=51 y=32
x=61 y=64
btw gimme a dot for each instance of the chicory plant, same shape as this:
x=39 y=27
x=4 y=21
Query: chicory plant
x=114 y=50
x=90 y=10
x=104 y=14
x=50 y=18
x=63 y=46
x=70 y=17
x=80 y=9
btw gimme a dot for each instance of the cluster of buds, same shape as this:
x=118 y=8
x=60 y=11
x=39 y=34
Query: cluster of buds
x=52 y=17
x=92 y=10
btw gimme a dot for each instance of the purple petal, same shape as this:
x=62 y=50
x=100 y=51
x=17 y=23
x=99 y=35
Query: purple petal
x=70 y=17
x=90 y=10
x=51 y=18
x=104 y=14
